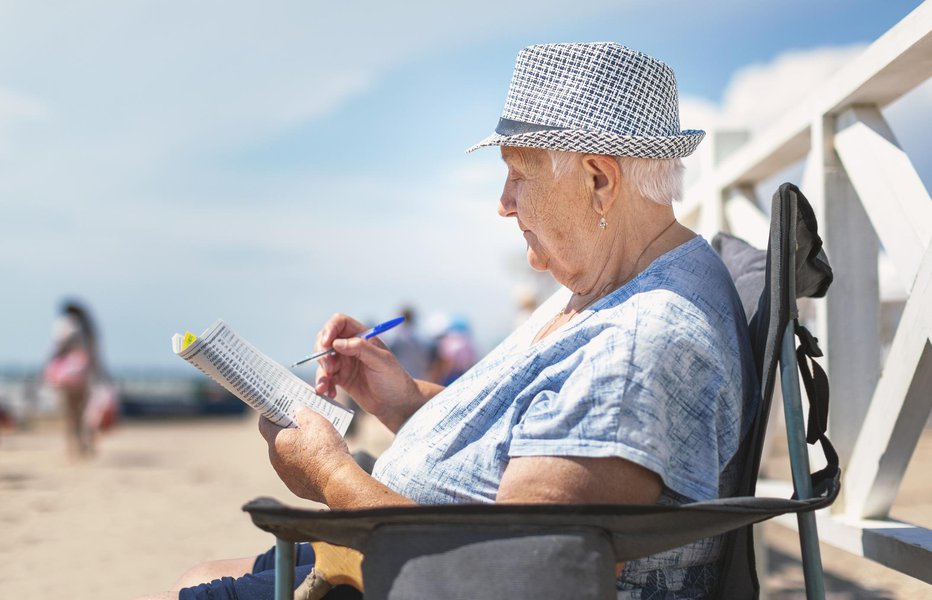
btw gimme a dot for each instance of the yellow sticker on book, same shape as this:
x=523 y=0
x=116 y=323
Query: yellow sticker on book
x=189 y=338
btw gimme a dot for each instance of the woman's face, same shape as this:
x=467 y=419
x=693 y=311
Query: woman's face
x=553 y=213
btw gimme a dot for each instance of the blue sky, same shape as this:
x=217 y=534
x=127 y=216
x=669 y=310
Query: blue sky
x=272 y=163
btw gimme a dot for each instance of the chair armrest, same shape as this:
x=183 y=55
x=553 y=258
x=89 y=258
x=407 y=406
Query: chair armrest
x=634 y=530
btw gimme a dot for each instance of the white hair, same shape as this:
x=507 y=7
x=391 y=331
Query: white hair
x=659 y=180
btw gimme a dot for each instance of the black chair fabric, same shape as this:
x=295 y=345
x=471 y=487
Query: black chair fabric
x=747 y=266
x=413 y=562
x=633 y=530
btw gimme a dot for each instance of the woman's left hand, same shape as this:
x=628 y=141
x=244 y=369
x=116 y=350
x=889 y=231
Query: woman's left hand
x=307 y=456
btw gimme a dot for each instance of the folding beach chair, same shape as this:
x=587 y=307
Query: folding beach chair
x=570 y=551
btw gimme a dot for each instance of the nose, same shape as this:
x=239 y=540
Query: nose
x=506 y=204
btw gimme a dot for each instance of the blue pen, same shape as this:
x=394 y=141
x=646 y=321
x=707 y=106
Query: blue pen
x=369 y=333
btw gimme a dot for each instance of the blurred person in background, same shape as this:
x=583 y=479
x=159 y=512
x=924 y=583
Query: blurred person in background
x=526 y=303
x=73 y=366
x=6 y=419
x=454 y=352
x=75 y=370
x=412 y=351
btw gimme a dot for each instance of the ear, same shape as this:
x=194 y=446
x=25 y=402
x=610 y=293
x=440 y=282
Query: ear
x=603 y=178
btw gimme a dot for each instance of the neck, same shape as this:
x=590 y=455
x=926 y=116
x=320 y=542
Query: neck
x=635 y=244
x=634 y=255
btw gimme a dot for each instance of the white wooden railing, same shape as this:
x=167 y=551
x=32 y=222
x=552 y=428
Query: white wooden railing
x=867 y=196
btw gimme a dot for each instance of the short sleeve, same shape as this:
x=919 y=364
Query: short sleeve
x=657 y=394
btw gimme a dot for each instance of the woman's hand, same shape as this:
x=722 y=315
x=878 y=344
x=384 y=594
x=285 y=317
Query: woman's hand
x=306 y=457
x=368 y=371
x=313 y=461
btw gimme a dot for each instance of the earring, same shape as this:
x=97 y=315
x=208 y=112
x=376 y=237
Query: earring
x=603 y=223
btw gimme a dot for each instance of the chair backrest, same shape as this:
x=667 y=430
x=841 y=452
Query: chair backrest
x=794 y=266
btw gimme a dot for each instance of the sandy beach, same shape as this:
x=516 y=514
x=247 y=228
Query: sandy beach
x=161 y=496
x=158 y=498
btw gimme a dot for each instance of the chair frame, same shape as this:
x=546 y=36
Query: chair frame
x=796 y=434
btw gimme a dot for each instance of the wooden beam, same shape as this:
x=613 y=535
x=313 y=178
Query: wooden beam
x=712 y=216
x=901 y=546
x=896 y=201
x=721 y=145
x=898 y=411
x=904 y=547
x=702 y=208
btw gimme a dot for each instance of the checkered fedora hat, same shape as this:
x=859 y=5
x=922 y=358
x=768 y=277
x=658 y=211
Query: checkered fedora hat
x=601 y=98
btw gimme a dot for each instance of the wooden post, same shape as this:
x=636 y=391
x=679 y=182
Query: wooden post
x=849 y=318
x=721 y=145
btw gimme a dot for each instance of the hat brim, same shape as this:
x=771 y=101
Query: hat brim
x=577 y=140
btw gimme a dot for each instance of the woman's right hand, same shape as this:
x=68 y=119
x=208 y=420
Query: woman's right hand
x=367 y=370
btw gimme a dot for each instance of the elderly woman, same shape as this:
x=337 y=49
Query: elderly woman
x=631 y=385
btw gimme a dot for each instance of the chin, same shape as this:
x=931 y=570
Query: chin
x=536 y=262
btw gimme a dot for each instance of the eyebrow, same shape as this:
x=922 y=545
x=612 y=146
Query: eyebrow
x=515 y=160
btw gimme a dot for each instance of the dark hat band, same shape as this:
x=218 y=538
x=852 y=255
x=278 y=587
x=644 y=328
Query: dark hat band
x=510 y=127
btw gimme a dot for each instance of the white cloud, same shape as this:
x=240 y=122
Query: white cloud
x=485 y=171
x=17 y=109
x=309 y=103
x=16 y=105
x=758 y=93
x=699 y=113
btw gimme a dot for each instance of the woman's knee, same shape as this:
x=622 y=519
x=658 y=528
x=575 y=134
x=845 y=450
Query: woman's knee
x=215 y=569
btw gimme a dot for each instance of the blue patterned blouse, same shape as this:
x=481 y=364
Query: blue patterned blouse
x=659 y=372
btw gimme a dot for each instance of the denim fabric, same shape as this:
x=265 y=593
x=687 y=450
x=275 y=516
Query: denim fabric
x=684 y=573
x=659 y=372
x=303 y=555
x=258 y=585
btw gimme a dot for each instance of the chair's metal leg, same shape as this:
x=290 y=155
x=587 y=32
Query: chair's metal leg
x=284 y=569
x=799 y=462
